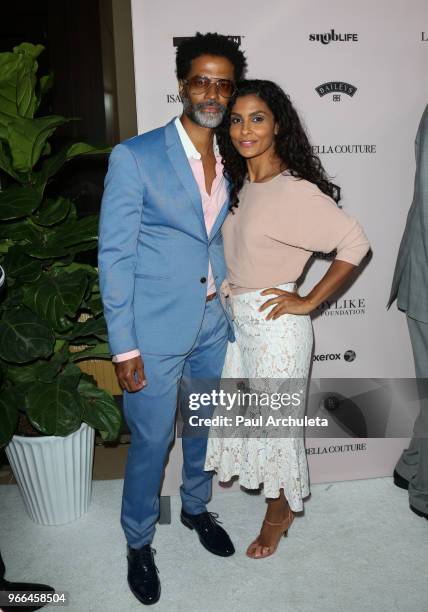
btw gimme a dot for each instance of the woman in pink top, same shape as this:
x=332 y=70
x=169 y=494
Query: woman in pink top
x=283 y=209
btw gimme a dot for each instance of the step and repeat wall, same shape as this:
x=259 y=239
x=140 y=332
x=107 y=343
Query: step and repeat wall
x=356 y=72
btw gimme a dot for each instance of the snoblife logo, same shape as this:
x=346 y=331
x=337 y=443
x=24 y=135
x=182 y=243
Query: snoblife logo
x=328 y=37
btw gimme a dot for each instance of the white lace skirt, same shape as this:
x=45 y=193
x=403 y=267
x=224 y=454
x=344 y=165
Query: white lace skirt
x=267 y=350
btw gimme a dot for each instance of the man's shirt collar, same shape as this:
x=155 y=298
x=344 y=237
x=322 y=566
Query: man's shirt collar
x=188 y=146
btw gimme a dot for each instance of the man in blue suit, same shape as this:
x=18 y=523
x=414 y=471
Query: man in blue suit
x=161 y=265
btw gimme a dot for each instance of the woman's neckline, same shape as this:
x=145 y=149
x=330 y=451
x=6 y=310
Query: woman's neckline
x=270 y=180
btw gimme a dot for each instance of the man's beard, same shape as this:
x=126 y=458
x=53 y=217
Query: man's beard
x=196 y=113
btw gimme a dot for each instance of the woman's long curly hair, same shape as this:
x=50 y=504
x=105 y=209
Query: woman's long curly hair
x=291 y=143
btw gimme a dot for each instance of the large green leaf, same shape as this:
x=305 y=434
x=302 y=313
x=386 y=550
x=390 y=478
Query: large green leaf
x=83 y=230
x=83 y=148
x=56 y=295
x=55 y=408
x=13 y=298
x=6 y=163
x=43 y=243
x=19 y=201
x=49 y=370
x=64 y=261
x=84 y=247
x=91 y=327
x=99 y=409
x=23 y=229
x=65 y=238
x=9 y=406
x=41 y=370
x=25 y=48
x=24 y=336
x=45 y=84
x=88 y=341
x=17 y=82
x=51 y=166
x=52 y=211
x=17 y=264
x=47 y=149
x=5 y=245
x=95 y=305
x=90 y=271
x=100 y=351
x=41 y=250
x=25 y=373
x=27 y=138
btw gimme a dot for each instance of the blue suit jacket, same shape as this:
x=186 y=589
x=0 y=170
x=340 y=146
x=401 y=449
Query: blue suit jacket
x=154 y=248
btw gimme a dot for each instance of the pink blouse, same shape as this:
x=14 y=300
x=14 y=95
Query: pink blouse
x=276 y=228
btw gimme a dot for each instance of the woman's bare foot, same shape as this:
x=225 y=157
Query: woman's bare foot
x=277 y=521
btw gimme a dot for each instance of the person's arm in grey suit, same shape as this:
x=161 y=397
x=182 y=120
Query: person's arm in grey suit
x=421 y=186
x=120 y=219
x=415 y=236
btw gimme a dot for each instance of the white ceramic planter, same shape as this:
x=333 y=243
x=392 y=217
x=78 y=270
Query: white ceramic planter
x=54 y=474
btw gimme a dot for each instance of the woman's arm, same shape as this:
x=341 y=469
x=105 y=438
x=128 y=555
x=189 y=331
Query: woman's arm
x=292 y=303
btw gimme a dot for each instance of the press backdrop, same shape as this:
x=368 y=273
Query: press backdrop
x=356 y=72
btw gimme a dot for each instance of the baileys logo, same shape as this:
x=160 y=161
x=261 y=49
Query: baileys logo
x=336 y=87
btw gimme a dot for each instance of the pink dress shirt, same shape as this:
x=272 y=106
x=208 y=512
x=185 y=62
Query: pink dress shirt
x=211 y=204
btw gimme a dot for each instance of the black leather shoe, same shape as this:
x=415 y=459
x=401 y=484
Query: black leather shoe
x=213 y=537
x=143 y=576
x=399 y=481
x=419 y=512
x=30 y=587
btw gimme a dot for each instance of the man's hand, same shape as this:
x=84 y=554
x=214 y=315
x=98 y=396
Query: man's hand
x=130 y=374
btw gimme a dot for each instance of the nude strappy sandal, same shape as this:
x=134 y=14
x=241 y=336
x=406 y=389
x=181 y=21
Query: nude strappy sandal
x=270 y=550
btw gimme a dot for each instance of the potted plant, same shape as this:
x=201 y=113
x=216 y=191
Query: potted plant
x=51 y=317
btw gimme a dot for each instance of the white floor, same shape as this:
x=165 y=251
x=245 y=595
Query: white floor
x=358 y=547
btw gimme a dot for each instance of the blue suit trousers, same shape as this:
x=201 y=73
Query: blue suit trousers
x=150 y=414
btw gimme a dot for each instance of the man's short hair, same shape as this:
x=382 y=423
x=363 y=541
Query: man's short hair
x=210 y=43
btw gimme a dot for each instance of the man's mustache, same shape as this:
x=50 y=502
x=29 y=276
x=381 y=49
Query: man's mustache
x=201 y=105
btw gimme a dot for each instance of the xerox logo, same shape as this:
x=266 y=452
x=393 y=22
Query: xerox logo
x=336 y=88
x=327 y=357
x=348 y=355
x=177 y=40
x=328 y=37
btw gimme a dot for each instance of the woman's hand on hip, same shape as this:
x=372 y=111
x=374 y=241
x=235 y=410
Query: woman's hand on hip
x=285 y=302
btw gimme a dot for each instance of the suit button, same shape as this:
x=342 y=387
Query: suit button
x=203 y=279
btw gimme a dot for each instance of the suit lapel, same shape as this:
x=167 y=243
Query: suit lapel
x=181 y=165
x=220 y=218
